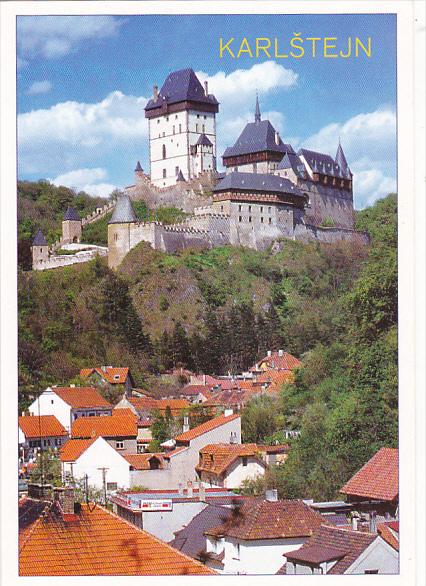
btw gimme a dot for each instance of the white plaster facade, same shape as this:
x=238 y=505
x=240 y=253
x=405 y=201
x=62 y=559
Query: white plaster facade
x=171 y=137
x=237 y=472
x=97 y=456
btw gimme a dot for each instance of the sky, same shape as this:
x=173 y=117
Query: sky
x=83 y=82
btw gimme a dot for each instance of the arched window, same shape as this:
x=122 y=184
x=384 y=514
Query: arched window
x=164 y=151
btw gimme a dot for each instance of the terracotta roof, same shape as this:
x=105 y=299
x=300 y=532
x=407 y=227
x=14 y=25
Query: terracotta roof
x=115 y=425
x=275 y=379
x=113 y=375
x=276 y=449
x=233 y=397
x=377 y=479
x=73 y=449
x=81 y=397
x=187 y=436
x=29 y=511
x=285 y=362
x=391 y=537
x=348 y=542
x=141 y=461
x=271 y=520
x=216 y=458
x=193 y=390
x=98 y=543
x=35 y=426
x=142 y=404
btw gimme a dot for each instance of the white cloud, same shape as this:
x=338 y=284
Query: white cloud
x=54 y=36
x=88 y=180
x=39 y=87
x=369 y=143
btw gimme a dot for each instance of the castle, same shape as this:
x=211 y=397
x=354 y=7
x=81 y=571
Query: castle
x=268 y=191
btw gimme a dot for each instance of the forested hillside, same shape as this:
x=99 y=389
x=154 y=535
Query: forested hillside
x=334 y=306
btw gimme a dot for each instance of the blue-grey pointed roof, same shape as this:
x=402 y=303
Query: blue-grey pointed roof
x=39 y=239
x=256 y=138
x=204 y=140
x=321 y=163
x=138 y=167
x=263 y=182
x=340 y=158
x=180 y=176
x=72 y=214
x=181 y=86
x=123 y=212
x=292 y=161
x=257 y=116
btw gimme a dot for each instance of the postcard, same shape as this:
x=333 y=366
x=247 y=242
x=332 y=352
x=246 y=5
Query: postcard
x=209 y=344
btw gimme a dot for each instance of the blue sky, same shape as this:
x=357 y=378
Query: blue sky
x=83 y=83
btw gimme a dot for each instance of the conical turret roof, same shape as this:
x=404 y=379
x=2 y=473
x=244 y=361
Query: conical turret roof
x=39 y=239
x=257 y=116
x=180 y=176
x=341 y=159
x=72 y=214
x=138 y=167
x=123 y=212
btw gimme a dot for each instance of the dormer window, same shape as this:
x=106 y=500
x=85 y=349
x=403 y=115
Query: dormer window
x=116 y=377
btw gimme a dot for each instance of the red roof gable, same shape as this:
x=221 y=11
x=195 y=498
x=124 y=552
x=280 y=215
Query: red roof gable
x=81 y=397
x=73 y=449
x=113 y=375
x=377 y=479
x=116 y=425
x=187 y=436
x=280 y=361
x=36 y=426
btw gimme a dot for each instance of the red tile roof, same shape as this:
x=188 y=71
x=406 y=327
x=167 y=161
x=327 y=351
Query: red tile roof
x=216 y=458
x=348 y=542
x=275 y=361
x=73 y=449
x=385 y=531
x=271 y=520
x=98 y=543
x=35 y=426
x=115 y=425
x=81 y=397
x=115 y=376
x=232 y=397
x=142 y=404
x=187 y=436
x=377 y=479
x=142 y=461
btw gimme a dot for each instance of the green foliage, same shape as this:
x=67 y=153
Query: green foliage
x=258 y=419
x=47 y=469
x=328 y=223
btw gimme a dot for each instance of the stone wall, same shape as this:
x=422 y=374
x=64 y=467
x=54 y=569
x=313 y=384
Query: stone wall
x=308 y=233
x=57 y=261
x=328 y=203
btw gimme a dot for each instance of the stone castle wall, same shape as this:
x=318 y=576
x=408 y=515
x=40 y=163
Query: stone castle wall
x=309 y=233
x=328 y=203
x=59 y=260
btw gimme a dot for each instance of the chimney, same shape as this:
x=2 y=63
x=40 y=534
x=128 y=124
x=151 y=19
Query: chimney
x=271 y=495
x=206 y=88
x=277 y=137
x=190 y=490
x=269 y=353
x=64 y=497
x=280 y=353
x=180 y=488
x=40 y=491
x=155 y=92
x=72 y=385
x=228 y=412
x=202 y=492
x=373 y=522
x=185 y=423
x=355 y=523
x=204 y=379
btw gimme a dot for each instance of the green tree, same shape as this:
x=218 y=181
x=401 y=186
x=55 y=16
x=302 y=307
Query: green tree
x=258 y=419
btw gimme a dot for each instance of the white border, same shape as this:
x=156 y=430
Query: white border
x=411 y=238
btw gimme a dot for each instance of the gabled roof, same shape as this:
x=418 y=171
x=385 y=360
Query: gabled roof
x=123 y=212
x=72 y=214
x=292 y=161
x=347 y=544
x=203 y=140
x=73 y=449
x=147 y=404
x=390 y=536
x=187 y=436
x=217 y=458
x=113 y=375
x=233 y=397
x=39 y=239
x=285 y=361
x=257 y=137
x=262 y=182
x=105 y=426
x=377 y=479
x=36 y=426
x=191 y=539
x=321 y=163
x=142 y=461
x=271 y=520
x=81 y=397
x=98 y=543
x=181 y=86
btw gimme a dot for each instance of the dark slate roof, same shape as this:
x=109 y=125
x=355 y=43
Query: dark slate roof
x=181 y=86
x=321 y=163
x=204 y=140
x=255 y=138
x=341 y=159
x=39 y=239
x=138 y=167
x=180 y=176
x=257 y=182
x=72 y=214
x=292 y=161
x=191 y=539
x=123 y=212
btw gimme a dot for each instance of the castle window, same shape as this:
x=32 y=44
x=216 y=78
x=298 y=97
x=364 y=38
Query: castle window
x=205 y=117
x=270 y=220
x=158 y=121
x=261 y=209
x=240 y=207
x=204 y=127
x=41 y=250
x=176 y=117
x=180 y=127
x=173 y=129
x=115 y=237
x=249 y=218
x=198 y=115
x=164 y=134
x=249 y=208
x=269 y=210
x=261 y=220
x=221 y=208
x=176 y=170
x=240 y=218
x=167 y=119
x=164 y=151
x=196 y=128
x=164 y=173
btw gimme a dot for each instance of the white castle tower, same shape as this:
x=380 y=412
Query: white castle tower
x=182 y=129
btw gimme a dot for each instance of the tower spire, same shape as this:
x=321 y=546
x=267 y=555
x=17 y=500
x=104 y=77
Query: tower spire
x=257 y=117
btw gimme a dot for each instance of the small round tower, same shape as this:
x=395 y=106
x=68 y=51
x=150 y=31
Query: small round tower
x=71 y=226
x=119 y=231
x=39 y=250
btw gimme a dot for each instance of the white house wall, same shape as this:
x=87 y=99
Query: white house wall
x=51 y=404
x=163 y=524
x=378 y=556
x=237 y=473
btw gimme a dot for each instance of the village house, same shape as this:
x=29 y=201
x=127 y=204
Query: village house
x=109 y=376
x=374 y=488
x=334 y=550
x=95 y=459
x=276 y=360
x=73 y=539
x=69 y=403
x=35 y=433
x=145 y=407
x=119 y=430
x=229 y=465
x=389 y=531
x=144 y=436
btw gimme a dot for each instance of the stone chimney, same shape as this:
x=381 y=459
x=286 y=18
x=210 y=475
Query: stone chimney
x=271 y=495
x=373 y=522
x=269 y=353
x=40 y=491
x=277 y=137
x=202 y=492
x=190 y=490
x=206 y=88
x=185 y=423
x=64 y=497
x=155 y=93
x=280 y=352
